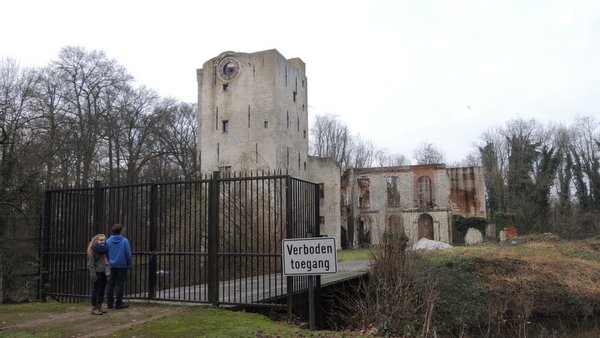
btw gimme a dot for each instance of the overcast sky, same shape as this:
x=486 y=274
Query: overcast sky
x=397 y=72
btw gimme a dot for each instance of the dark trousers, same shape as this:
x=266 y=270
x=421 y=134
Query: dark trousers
x=116 y=283
x=99 y=286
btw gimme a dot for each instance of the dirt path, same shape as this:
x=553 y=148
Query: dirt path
x=79 y=322
x=106 y=328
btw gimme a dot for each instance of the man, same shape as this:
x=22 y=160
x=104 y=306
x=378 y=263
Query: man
x=119 y=253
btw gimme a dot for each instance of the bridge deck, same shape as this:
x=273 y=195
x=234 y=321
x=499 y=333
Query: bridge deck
x=256 y=289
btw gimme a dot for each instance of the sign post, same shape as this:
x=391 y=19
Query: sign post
x=309 y=257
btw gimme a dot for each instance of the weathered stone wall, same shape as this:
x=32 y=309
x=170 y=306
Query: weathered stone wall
x=266 y=106
x=266 y=109
x=327 y=171
x=467 y=193
x=385 y=208
x=441 y=225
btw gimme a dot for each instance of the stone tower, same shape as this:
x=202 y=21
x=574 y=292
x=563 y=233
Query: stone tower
x=253 y=113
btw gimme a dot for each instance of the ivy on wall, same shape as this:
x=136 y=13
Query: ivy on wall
x=463 y=224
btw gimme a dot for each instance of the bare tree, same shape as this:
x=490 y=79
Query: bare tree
x=90 y=81
x=363 y=154
x=471 y=160
x=134 y=130
x=16 y=89
x=427 y=153
x=385 y=159
x=331 y=138
x=53 y=128
x=178 y=137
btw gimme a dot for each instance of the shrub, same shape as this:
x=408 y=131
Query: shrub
x=397 y=299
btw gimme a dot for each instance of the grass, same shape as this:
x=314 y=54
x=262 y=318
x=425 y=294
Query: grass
x=354 y=255
x=213 y=322
x=52 y=319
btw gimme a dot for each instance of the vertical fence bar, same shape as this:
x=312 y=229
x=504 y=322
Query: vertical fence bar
x=213 y=239
x=317 y=219
x=152 y=245
x=40 y=256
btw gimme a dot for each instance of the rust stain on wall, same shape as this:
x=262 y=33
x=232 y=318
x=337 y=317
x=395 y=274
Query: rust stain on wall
x=466 y=191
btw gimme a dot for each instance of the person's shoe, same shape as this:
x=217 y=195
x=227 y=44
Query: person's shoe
x=101 y=309
x=96 y=311
x=122 y=306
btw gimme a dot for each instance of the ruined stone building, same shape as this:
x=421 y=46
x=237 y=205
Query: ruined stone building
x=253 y=115
x=420 y=199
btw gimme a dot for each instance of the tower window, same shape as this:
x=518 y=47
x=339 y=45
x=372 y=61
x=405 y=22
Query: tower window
x=295 y=96
x=266 y=124
x=298 y=122
x=225 y=126
x=226 y=87
x=305 y=166
x=304 y=133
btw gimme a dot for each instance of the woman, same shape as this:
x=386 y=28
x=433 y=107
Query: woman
x=98 y=266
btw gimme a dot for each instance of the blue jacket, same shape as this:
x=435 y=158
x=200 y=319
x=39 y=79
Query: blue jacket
x=119 y=251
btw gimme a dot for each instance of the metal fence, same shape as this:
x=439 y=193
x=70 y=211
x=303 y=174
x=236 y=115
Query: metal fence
x=19 y=256
x=216 y=240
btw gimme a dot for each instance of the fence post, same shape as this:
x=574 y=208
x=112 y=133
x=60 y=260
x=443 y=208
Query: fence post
x=289 y=234
x=45 y=245
x=98 y=212
x=213 y=239
x=152 y=245
x=40 y=257
x=317 y=206
x=317 y=278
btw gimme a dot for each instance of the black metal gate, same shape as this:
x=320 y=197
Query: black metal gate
x=216 y=240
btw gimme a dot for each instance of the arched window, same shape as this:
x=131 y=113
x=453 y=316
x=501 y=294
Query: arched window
x=425 y=222
x=424 y=195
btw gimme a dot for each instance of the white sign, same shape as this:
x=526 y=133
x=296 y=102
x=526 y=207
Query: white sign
x=309 y=256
